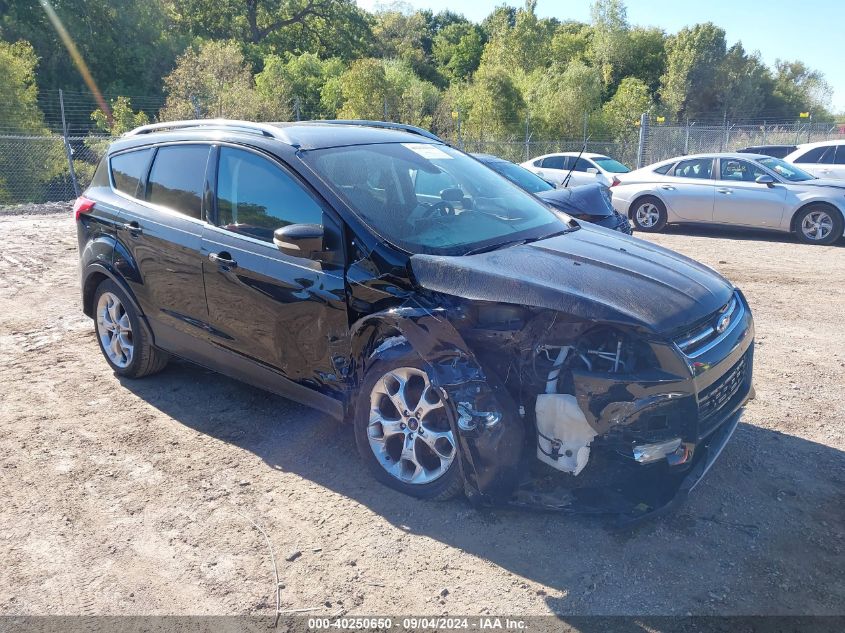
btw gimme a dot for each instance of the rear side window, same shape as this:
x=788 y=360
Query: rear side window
x=817 y=155
x=128 y=168
x=177 y=178
x=554 y=162
x=695 y=168
x=840 y=155
x=255 y=196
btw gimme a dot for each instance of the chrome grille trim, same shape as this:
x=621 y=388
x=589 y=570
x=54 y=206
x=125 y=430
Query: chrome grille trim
x=734 y=309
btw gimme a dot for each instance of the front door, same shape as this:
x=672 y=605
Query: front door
x=740 y=200
x=275 y=309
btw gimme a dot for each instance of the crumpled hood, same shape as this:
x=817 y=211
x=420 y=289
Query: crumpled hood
x=591 y=273
x=584 y=199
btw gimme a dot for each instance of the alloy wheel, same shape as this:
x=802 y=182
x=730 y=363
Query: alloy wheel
x=817 y=225
x=408 y=430
x=115 y=330
x=647 y=215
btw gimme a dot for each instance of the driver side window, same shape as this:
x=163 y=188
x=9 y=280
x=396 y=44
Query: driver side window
x=255 y=196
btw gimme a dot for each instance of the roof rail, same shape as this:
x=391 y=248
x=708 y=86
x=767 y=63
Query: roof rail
x=412 y=129
x=250 y=127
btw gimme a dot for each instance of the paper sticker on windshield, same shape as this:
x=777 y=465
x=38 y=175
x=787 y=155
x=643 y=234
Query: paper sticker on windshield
x=431 y=152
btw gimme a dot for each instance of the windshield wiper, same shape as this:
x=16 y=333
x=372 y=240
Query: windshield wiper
x=525 y=240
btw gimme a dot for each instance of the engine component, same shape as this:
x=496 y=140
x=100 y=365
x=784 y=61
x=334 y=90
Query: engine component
x=563 y=433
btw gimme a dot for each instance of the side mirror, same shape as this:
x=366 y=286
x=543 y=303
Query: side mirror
x=765 y=179
x=299 y=240
x=592 y=170
x=452 y=194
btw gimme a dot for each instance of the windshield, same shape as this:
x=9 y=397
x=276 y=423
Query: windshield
x=610 y=165
x=520 y=176
x=428 y=198
x=785 y=170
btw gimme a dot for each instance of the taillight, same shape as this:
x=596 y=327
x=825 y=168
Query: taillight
x=615 y=182
x=81 y=206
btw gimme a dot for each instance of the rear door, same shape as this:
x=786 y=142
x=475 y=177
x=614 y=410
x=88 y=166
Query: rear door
x=272 y=308
x=837 y=169
x=553 y=169
x=740 y=200
x=818 y=161
x=161 y=233
x=688 y=190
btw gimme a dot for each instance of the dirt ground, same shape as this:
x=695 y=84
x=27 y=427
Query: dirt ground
x=136 y=497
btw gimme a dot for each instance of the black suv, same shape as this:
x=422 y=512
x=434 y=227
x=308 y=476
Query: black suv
x=477 y=341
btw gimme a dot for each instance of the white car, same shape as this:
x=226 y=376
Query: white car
x=586 y=169
x=747 y=190
x=823 y=160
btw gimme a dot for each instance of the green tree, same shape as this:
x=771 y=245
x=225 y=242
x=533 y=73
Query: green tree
x=746 y=82
x=691 y=85
x=620 y=114
x=609 y=44
x=798 y=88
x=326 y=27
x=457 y=50
x=524 y=46
x=127 y=45
x=646 y=57
x=560 y=96
x=570 y=41
x=410 y=99
x=25 y=167
x=364 y=90
x=493 y=105
x=298 y=81
x=215 y=81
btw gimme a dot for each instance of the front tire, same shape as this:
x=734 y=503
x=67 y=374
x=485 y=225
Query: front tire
x=649 y=214
x=818 y=224
x=123 y=342
x=402 y=430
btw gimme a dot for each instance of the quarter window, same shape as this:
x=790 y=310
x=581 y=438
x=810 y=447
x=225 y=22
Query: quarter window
x=695 y=168
x=177 y=178
x=255 y=197
x=128 y=168
x=663 y=169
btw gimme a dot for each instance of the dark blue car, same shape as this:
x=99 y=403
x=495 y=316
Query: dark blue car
x=590 y=203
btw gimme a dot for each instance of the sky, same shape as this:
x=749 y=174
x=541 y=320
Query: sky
x=785 y=29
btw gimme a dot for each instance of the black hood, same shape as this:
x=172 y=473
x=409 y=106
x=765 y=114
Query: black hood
x=591 y=273
x=582 y=200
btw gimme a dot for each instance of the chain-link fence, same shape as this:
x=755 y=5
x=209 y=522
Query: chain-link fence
x=56 y=167
x=662 y=141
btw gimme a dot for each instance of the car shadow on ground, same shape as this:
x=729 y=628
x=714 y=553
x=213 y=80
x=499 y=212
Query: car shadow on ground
x=767 y=519
x=734 y=233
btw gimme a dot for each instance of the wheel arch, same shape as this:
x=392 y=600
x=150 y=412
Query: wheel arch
x=641 y=196
x=95 y=274
x=793 y=222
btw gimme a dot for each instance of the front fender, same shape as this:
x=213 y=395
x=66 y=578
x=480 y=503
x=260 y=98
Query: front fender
x=484 y=418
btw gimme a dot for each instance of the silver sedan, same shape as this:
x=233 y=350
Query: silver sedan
x=744 y=190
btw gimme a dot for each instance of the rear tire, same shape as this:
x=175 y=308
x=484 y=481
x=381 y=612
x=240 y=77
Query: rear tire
x=121 y=336
x=649 y=214
x=818 y=224
x=408 y=446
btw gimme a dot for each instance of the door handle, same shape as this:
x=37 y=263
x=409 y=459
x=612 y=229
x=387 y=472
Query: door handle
x=133 y=227
x=667 y=187
x=728 y=191
x=223 y=259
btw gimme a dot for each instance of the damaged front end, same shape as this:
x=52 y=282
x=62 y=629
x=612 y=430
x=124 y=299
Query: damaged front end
x=572 y=396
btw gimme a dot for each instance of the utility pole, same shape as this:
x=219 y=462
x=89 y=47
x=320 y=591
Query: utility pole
x=68 y=150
